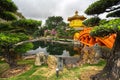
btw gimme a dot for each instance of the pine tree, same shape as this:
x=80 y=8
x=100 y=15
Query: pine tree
x=112 y=69
x=14 y=28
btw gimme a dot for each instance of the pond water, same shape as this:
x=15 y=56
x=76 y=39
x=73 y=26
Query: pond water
x=53 y=48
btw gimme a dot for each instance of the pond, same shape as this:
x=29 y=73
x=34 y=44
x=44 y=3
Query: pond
x=53 y=48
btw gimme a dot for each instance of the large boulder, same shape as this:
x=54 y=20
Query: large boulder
x=101 y=51
x=52 y=61
x=94 y=54
x=88 y=55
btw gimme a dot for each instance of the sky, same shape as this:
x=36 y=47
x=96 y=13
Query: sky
x=42 y=9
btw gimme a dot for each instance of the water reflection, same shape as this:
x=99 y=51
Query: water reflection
x=53 y=48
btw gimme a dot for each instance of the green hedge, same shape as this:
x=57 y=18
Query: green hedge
x=7 y=5
x=9 y=16
x=12 y=38
x=27 y=23
x=4 y=27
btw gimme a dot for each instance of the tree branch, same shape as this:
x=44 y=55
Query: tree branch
x=43 y=39
x=113 y=9
x=23 y=42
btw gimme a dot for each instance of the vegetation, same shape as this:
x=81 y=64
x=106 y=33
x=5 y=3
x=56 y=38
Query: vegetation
x=92 y=22
x=8 y=16
x=3 y=67
x=14 y=28
x=103 y=21
x=110 y=27
x=39 y=32
x=13 y=31
x=44 y=72
x=64 y=33
x=101 y=6
x=54 y=48
x=52 y=27
x=55 y=27
x=28 y=26
x=111 y=70
x=7 y=5
x=54 y=22
x=114 y=14
x=7 y=41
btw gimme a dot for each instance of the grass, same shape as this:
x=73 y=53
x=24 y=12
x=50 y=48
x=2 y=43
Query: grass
x=3 y=67
x=44 y=73
x=101 y=63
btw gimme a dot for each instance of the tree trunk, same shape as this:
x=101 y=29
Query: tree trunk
x=10 y=58
x=112 y=69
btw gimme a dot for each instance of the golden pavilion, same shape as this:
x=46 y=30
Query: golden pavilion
x=76 y=20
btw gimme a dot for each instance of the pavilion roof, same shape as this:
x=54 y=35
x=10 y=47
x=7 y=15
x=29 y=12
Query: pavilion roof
x=76 y=16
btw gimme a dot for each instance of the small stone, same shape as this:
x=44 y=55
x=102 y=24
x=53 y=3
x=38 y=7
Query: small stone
x=37 y=60
x=40 y=59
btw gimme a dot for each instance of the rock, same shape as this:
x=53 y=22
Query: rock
x=43 y=58
x=37 y=60
x=52 y=61
x=40 y=59
x=71 y=62
x=88 y=55
x=101 y=51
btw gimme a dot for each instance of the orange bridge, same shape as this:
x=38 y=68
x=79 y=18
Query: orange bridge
x=85 y=38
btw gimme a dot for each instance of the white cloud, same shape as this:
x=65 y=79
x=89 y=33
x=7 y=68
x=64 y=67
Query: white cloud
x=42 y=9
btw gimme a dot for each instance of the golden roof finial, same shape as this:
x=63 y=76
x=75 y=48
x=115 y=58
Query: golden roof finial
x=76 y=12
